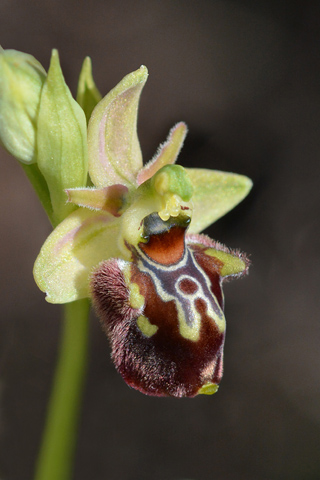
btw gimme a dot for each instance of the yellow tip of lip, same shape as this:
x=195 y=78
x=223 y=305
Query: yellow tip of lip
x=208 y=389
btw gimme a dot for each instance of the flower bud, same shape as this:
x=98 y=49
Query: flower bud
x=21 y=81
x=87 y=95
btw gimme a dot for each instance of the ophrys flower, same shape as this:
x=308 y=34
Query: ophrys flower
x=122 y=238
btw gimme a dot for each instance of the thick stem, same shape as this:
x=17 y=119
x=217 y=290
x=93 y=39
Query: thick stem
x=59 y=440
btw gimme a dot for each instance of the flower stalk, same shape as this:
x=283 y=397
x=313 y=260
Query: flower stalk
x=60 y=433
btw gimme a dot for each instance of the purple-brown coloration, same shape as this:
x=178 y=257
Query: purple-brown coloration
x=180 y=289
x=165 y=249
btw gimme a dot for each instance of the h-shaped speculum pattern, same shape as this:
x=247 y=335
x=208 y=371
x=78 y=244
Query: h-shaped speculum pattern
x=163 y=310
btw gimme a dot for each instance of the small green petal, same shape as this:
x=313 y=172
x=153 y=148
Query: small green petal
x=111 y=199
x=87 y=95
x=21 y=81
x=166 y=154
x=114 y=149
x=214 y=194
x=62 y=140
x=73 y=249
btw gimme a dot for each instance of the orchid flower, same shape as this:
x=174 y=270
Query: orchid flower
x=127 y=235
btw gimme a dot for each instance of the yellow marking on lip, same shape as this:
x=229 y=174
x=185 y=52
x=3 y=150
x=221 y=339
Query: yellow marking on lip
x=186 y=331
x=208 y=389
x=136 y=300
x=232 y=265
x=146 y=327
x=189 y=332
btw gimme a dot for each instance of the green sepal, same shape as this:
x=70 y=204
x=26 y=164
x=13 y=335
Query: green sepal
x=66 y=259
x=88 y=96
x=62 y=140
x=21 y=81
x=114 y=149
x=214 y=194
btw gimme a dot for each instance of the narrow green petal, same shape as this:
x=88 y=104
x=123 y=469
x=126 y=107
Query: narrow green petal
x=21 y=81
x=166 y=154
x=73 y=249
x=87 y=95
x=215 y=193
x=111 y=199
x=114 y=149
x=62 y=140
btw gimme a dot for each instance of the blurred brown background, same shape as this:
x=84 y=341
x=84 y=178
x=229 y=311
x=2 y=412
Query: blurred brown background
x=244 y=75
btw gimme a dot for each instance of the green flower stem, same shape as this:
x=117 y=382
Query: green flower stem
x=59 y=441
x=41 y=188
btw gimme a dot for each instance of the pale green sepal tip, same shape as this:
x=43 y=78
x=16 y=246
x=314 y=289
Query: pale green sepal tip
x=114 y=150
x=21 y=81
x=62 y=142
x=88 y=96
x=214 y=194
x=208 y=389
x=63 y=267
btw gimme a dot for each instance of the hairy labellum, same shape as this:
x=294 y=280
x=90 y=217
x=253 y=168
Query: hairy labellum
x=163 y=311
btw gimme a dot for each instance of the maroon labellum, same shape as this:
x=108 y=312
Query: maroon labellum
x=163 y=311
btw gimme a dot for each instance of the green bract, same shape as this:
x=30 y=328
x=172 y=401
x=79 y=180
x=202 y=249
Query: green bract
x=95 y=223
x=87 y=95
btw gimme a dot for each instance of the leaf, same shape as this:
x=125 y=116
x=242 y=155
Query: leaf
x=114 y=149
x=215 y=193
x=87 y=95
x=167 y=152
x=73 y=249
x=62 y=140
